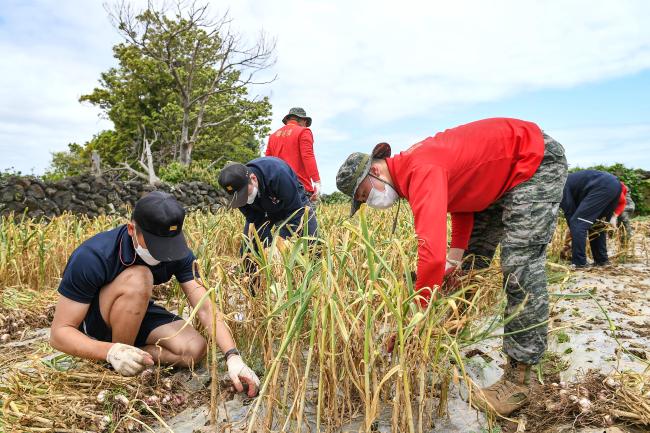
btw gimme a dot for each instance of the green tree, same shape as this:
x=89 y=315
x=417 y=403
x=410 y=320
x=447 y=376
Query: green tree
x=205 y=69
x=182 y=82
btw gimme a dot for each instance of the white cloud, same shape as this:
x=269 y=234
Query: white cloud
x=385 y=60
x=52 y=54
x=371 y=64
x=606 y=144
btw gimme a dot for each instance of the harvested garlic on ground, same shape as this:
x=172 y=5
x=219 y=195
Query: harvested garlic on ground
x=101 y=396
x=103 y=422
x=147 y=375
x=152 y=400
x=167 y=383
x=121 y=399
x=612 y=383
x=585 y=404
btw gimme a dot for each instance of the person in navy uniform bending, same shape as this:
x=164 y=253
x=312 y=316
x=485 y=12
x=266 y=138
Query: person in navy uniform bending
x=590 y=198
x=267 y=191
x=105 y=311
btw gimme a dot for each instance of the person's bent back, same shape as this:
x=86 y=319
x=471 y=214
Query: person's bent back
x=105 y=312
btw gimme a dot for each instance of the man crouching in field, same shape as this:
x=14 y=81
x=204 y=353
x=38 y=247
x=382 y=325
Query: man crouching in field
x=105 y=310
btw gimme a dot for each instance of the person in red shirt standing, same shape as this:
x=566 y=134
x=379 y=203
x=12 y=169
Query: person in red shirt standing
x=294 y=143
x=502 y=181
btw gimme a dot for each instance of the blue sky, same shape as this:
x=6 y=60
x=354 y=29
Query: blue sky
x=366 y=71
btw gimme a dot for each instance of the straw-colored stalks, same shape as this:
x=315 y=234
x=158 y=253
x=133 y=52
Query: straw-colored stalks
x=315 y=330
x=322 y=317
x=623 y=246
x=61 y=396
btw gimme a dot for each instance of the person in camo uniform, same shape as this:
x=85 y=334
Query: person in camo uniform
x=501 y=180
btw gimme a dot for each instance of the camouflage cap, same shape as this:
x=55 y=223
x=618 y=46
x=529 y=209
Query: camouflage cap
x=355 y=168
x=351 y=174
x=297 y=112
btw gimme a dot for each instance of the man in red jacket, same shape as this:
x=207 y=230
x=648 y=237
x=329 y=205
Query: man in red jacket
x=502 y=181
x=294 y=143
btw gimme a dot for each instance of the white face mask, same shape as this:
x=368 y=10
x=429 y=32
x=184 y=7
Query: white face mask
x=252 y=196
x=381 y=199
x=144 y=253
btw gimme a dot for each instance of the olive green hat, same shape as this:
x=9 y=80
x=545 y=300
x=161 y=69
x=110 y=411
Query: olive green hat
x=355 y=169
x=297 y=112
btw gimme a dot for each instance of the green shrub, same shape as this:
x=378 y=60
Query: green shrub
x=335 y=198
x=198 y=170
x=9 y=172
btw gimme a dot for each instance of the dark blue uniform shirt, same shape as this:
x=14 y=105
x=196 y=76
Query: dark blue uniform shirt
x=100 y=259
x=589 y=195
x=280 y=197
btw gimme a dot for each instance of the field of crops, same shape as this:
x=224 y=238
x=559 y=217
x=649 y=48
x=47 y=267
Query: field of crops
x=313 y=323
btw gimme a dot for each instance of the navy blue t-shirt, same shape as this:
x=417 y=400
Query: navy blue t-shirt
x=100 y=259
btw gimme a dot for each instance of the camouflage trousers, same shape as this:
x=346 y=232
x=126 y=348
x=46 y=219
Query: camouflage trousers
x=523 y=222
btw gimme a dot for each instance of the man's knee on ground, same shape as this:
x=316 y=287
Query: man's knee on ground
x=138 y=282
x=195 y=349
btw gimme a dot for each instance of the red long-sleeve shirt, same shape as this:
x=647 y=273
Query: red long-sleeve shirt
x=622 y=201
x=295 y=145
x=461 y=170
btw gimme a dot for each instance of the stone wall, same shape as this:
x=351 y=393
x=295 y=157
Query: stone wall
x=92 y=196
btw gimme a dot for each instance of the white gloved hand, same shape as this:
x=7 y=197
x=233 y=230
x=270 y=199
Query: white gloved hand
x=238 y=371
x=449 y=264
x=128 y=360
x=613 y=220
x=316 y=193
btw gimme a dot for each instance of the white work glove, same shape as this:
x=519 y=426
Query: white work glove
x=316 y=193
x=238 y=371
x=451 y=264
x=613 y=220
x=128 y=360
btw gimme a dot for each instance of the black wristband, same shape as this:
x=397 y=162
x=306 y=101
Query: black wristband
x=229 y=353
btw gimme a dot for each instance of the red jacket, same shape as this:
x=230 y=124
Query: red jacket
x=295 y=145
x=620 y=206
x=461 y=170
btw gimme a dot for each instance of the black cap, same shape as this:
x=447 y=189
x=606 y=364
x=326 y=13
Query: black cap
x=234 y=178
x=159 y=216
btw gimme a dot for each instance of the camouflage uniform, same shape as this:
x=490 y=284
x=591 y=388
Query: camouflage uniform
x=523 y=222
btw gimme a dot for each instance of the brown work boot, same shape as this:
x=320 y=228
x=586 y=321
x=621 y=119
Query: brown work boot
x=509 y=393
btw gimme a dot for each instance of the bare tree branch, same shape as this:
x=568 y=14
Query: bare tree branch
x=217 y=46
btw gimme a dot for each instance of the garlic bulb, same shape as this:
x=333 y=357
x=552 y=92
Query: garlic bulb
x=585 y=404
x=101 y=396
x=121 y=399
